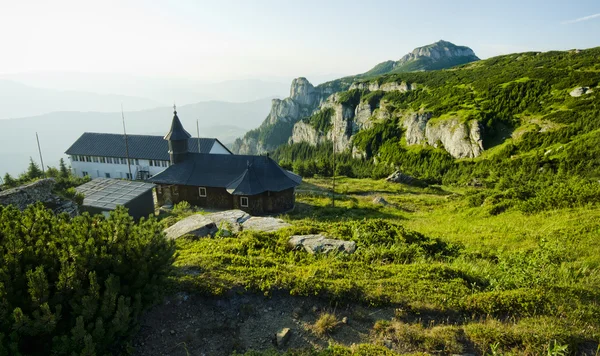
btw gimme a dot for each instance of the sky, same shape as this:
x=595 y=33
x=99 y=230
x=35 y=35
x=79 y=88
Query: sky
x=225 y=40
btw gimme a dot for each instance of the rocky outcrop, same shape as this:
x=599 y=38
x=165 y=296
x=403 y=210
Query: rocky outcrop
x=415 y=125
x=438 y=55
x=283 y=110
x=304 y=99
x=264 y=224
x=389 y=86
x=399 y=177
x=461 y=139
x=196 y=225
x=436 y=51
x=38 y=191
x=320 y=244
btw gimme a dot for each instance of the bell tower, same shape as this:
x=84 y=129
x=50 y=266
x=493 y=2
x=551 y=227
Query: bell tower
x=178 y=139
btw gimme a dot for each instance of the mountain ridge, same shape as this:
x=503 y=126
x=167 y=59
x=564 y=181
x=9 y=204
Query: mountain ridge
x=305 y=98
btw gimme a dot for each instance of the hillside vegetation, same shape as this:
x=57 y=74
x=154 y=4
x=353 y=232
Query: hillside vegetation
x=541 y=144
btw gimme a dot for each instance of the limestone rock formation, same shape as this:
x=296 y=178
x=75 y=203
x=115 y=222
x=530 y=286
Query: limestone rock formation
x=304 y=99
x=38 y=191
x=399 y=177
x=389 y=86
x=460 y=139
x=438 y=55
x=320 y=244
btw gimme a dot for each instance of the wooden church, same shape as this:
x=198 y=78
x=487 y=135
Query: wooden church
x=255 y=184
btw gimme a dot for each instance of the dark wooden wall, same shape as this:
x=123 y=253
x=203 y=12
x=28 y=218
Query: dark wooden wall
x=219 y=198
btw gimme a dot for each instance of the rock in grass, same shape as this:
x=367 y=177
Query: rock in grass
x=196 y=225
x=229 y=220
x=380 y=201
x=283 y=336
x=265 y=224
x=320 y=244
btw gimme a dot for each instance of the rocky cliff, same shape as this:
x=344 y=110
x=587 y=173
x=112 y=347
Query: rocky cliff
x=461 y=139
x=304 y=99
x=284 y=125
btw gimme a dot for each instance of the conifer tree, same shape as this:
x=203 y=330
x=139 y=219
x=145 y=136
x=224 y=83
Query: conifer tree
x=9 y=181
x=64 y=171
x=76 y=285
x=33 y=170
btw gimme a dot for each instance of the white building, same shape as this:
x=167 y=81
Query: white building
x=105 y=155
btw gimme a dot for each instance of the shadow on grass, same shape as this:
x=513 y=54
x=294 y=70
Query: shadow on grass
x=330 y=213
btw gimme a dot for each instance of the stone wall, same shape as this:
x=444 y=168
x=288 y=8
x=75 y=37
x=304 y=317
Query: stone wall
x=38 y=191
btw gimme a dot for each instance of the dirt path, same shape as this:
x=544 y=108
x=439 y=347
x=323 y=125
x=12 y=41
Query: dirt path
x=192 y=325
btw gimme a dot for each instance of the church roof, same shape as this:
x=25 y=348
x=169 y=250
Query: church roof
x=177 y=131
x=140 y=146
x=239 y=174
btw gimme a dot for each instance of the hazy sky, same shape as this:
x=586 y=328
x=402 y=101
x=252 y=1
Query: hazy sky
x=220 y=39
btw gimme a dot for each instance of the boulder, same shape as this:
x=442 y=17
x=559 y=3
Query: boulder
x=321 y=244
x=283 y=336
x=196 y=225
x=399 y=177
x=229 y=220
x=380 y=201
x=579 y=91
x=265 y=224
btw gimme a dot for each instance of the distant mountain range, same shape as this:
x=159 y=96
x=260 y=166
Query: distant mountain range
x=31 y=94
x=19 y=100
x=58 y=130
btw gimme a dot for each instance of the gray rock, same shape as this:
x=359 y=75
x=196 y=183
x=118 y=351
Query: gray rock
x=399 y=177
x=39 y=191
x=579 y=91
x=321 y=244
x=229 y=221
x=283 y=336
x=265 y=224
x=380 y=201
x=197 y=225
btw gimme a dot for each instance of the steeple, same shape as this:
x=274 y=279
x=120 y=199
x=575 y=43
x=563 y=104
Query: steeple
x=178 y=139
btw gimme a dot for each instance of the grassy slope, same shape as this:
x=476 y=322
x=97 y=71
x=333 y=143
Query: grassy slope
x=519 y=280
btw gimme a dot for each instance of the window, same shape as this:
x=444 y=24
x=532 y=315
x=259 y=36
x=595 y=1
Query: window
x=202 y=191
x=164 y=163
x=109 y=160
x=123 y=161
x=88 y=158
x=95 y=159
x=244 y=202
x=107 y=175
x=84 y=173
x=157 y=163
x=150 y=163
x=137 y=161
x=74 y=158
x=102 y=160
x=81 y=158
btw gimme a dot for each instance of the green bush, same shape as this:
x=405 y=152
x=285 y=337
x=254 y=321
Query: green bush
x=76 y=286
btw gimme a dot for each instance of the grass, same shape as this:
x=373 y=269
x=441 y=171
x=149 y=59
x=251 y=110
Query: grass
x=511 y=280
x=325 y=324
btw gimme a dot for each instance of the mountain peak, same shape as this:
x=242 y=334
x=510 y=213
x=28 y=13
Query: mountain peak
x=439 y=55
